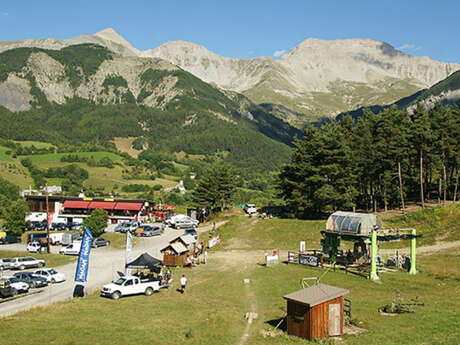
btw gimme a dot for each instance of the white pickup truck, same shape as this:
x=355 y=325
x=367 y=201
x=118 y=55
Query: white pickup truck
x=130 y=285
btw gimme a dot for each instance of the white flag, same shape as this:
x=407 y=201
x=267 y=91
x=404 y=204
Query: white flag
x=129 y=245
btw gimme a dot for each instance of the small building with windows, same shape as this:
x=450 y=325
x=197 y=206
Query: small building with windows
x=75 y=210
x=315 y=312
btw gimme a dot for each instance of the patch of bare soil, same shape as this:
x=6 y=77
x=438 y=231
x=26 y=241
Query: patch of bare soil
x=210 y=226
x=238 y=243
x=125 y=145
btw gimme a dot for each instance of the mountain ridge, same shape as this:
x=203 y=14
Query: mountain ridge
x=318 y=78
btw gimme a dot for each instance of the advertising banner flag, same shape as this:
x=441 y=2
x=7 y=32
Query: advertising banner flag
x=83 y=257
x=129 y=245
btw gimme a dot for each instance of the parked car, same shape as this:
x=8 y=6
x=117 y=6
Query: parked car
x=6 y=290
x=250 y=209
x=58 y=226
x=26 y=262
x=182 y=221
x=75 y=226
x=71 y=249
x=5 y=263
x=133 y=226
x=35 y=225
x=100 y=242
x=122 y=227
x=8 y=239
x=51 y=275
x=19 y=285
x=35 y=247
x=32 y=279
x=191 y=231
x=151 y=230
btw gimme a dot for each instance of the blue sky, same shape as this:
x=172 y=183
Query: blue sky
x=244 y=29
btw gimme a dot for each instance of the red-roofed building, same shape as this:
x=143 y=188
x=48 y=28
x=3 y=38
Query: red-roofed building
x=71 y=209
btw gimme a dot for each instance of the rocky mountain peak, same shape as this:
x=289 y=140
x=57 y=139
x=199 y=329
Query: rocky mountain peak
x=111 y=35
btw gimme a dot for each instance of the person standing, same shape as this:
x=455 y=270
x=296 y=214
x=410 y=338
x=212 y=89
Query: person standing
x=183 y=282
x=205 y=256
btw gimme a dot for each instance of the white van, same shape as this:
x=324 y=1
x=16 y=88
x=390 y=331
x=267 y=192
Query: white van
x=71 y=249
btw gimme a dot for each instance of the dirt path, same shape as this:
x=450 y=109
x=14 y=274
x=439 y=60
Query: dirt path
x=423 y=250
x=209 y=227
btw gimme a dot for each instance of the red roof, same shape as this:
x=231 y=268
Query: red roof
x=75 y=204
x=101 y=204
x=131 y=206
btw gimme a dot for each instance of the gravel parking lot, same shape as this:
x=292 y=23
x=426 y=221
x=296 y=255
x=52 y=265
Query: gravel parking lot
x=104 y=264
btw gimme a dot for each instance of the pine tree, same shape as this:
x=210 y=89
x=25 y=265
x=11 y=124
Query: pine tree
x=421 y=138
x=215 y=188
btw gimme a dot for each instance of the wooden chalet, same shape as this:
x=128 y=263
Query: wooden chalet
x=175 y=254
x=315 y=312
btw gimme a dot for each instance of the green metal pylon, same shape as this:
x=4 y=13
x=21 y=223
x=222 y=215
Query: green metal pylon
x=413 y=244
x=373 y=275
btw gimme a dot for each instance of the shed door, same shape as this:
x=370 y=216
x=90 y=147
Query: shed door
x=334 y=319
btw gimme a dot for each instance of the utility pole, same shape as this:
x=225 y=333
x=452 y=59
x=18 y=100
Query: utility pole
x=47 y=220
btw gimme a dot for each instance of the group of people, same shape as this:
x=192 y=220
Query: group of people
x=196 y=259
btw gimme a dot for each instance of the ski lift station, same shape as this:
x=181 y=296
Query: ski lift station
x=364 y=230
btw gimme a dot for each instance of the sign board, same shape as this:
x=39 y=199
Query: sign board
x=293 y=258
x=271 y=260
x=309 y=260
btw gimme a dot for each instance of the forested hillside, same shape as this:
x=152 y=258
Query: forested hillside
x=87 y=94
x=378 y=161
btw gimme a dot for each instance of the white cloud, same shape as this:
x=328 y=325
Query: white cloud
x=409 y=47
x=406 y=47
x=279 y=53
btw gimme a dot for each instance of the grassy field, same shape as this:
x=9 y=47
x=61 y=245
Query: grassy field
x=15 y=173
x=110 y=179
x=242 y=232
x=3 y=156
x=52 y=260
x=436 y=224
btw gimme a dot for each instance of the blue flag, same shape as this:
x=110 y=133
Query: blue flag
x=83 y=258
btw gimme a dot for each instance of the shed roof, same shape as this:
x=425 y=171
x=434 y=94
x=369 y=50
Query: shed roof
x=316 y=294
x=350 y=222
x=188 y=239
x=178 y=247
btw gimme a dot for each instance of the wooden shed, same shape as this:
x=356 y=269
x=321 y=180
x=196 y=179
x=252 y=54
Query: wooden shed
x=315 y=312
x=174 y=254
